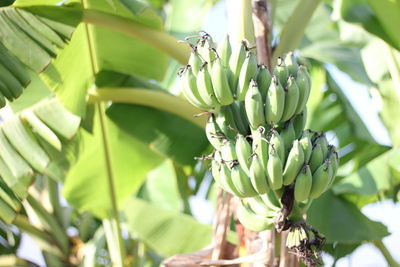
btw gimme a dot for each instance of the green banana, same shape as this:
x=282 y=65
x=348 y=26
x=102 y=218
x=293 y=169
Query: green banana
x=204 y=85
x=274 y=102
x=226 y=180
x=305 y=142
x=321 y=179
x=254 y=106
x=294 y=163
x=258 y=206
x=5 y=91
x=228 y=151
x=271 y=201
x=317 y=158
x=260 y=145
x=220 y=83
x=321 y=139
x=226 y=122
x=242 y=182
x=299 y=122
x=216 y=172
x=239 y=113
x=288 y=135
x=247 y=73
x=303 y=184
x=243 y=153
x=258 y=176
x=291 y=64
x=206 y=48
x=334 y=159
x=276 y=143
x=195 y=61
x=263 y=80
x=235 y=64
x=14 y=66
x=291 y=99
x=224 y=51
x=303 y=84
x=274 y=169
x=189 y=88
x=249 y=219
x=281 y=72
x=214 y=133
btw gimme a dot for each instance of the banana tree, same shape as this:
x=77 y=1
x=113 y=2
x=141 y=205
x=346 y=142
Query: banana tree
x=102 y=124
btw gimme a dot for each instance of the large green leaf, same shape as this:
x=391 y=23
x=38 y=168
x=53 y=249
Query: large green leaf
x=139 y=139
x=166 y=228
x=341 y=221
x=373 y=178
x=377 y=17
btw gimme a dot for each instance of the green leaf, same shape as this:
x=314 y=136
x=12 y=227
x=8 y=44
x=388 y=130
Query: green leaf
x=341 y=221
x=371 y=179
x=377 y=17
x=166 y=134
x=159 y=232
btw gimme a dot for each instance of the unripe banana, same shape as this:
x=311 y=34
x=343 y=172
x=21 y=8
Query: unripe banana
x=235 y=64
x=294 y=163
x=260 y=145
x=274 y=102
x=291 y=99
x=291 y=64
x=281 y=72
x=321 y=179
x=216 y=172
x=224 y=51
x=206 y=49
x=317 y=158
x=243 y=153
x=13 y=86
x=303 y=184
x=195 y=61
x=288 y=135
x=334 y=159
x=251 y=220
x=271 y=201
x=240 y=117
x=14 y=66
x=299 y=122
x=226 y=180
x=258 y=176
x=276 y=143
x=248 y=72
x=189 y=89
x=242 y=182
x=226 y=122
x=228 y=151
x=220 y=83
x=5 y=91
x=274 y=169
x=305 y=142
x=254 y=106
x=321 y=139
x=204 y=85
x=214 y=133
x=303 y=84
x=258 y=206
x=263 y=80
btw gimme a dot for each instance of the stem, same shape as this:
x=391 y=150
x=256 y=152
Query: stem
x=262 y=28
x=50 y=223
x=111 y=186
x=151 y=98
x=385 y=252
x=156 y=38
x=240 y=21
x=54 y=197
